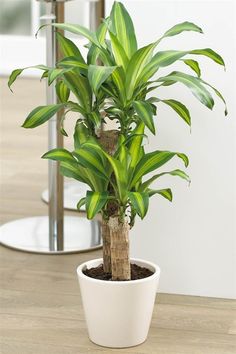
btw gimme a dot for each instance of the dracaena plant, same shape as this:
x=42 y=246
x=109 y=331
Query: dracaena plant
x=117 y=82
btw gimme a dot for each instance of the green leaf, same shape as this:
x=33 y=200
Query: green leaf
x=41 y=114
x=179 y=108
x=15 y=73
x=160 y=59
x=68 y=48
x=218 y=94
x=136 y=144
x=139 y=202
x=73 y=170
x=96 y=53
x=136 y=66
x=97 y=75
x=120 y=173
x=81 y=134
x=153 y=160
x=102 y=30
x=122 y=26
x=166 y=193
x=193 y=83
x=122 y=153
x=182 y=27
x=208 y=52
x=81 y=202
x=193 y=64
x=166 y=58
x=75 y=107
x=54 y=74
x=114 y=112
x=95 y=201
x=120 y=56
x=79 y=85
x=13 y=76
x=59 y=155
x=118 y=168
x=62 y=91
x=118 y=76
x=90 y=159
x=96 y=120
x=44 y=75
x=145 y=113
x=77 y=29
x=73 y=62
x=144 y=186
x=63 y=132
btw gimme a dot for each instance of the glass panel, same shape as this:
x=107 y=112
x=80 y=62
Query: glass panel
x=76 y=12
x=15 y=17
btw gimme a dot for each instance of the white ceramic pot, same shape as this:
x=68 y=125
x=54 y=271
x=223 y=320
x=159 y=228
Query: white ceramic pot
x=118 y=313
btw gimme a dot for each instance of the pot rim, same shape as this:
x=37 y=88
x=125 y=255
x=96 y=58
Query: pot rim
x=156 y=273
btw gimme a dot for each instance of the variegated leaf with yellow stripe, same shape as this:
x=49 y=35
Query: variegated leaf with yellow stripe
x=179 y=173
x=122 y=26
x=97 y=75
x=79 y=85
x=72 y=170
x=41 y=114
x=193 y=64
x=180 y=109
x=81 y=203
x=139 y=202
x=54 y=74
x=166 y=193
x=95 y=201
x=182 y=27
x=208 y=52
x=120 y=56
x=68 y=48
x=17 y=72
x=77 y=29
x=73 y=62
x=136 y=66
x=145 y=113
x=135 y=148
x=81 y=134
x=153 y=160
x=193 y=83
x=59 y=155
x=62 y=91
x=89 y=158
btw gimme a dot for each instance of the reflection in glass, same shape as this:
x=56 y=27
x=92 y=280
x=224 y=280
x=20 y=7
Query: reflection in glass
x=15 y=17
x=76 y=11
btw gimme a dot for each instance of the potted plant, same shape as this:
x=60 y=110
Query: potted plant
x=116 y=82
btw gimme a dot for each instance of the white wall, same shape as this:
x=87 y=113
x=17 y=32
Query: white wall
x=193 y=239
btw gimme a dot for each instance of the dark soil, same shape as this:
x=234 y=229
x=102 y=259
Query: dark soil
x=137 y=272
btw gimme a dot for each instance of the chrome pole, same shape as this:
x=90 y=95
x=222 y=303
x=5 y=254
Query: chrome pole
x=54 y=13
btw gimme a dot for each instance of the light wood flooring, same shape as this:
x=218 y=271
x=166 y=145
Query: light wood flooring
x=41 y=310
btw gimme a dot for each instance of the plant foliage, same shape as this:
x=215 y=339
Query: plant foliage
x=115 y=82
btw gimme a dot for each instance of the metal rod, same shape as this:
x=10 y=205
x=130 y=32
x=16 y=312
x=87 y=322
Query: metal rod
x=54 y=12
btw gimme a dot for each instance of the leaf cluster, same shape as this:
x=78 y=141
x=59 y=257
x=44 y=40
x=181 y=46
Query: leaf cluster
x=116 y=82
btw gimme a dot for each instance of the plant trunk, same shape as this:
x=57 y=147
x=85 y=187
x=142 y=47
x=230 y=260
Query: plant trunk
x=106 y=246
x=108 y=139
x=120 y=262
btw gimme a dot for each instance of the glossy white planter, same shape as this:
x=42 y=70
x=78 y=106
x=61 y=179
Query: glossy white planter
x=118 y=313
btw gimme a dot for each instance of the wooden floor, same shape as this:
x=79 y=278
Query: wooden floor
x=41 y=310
